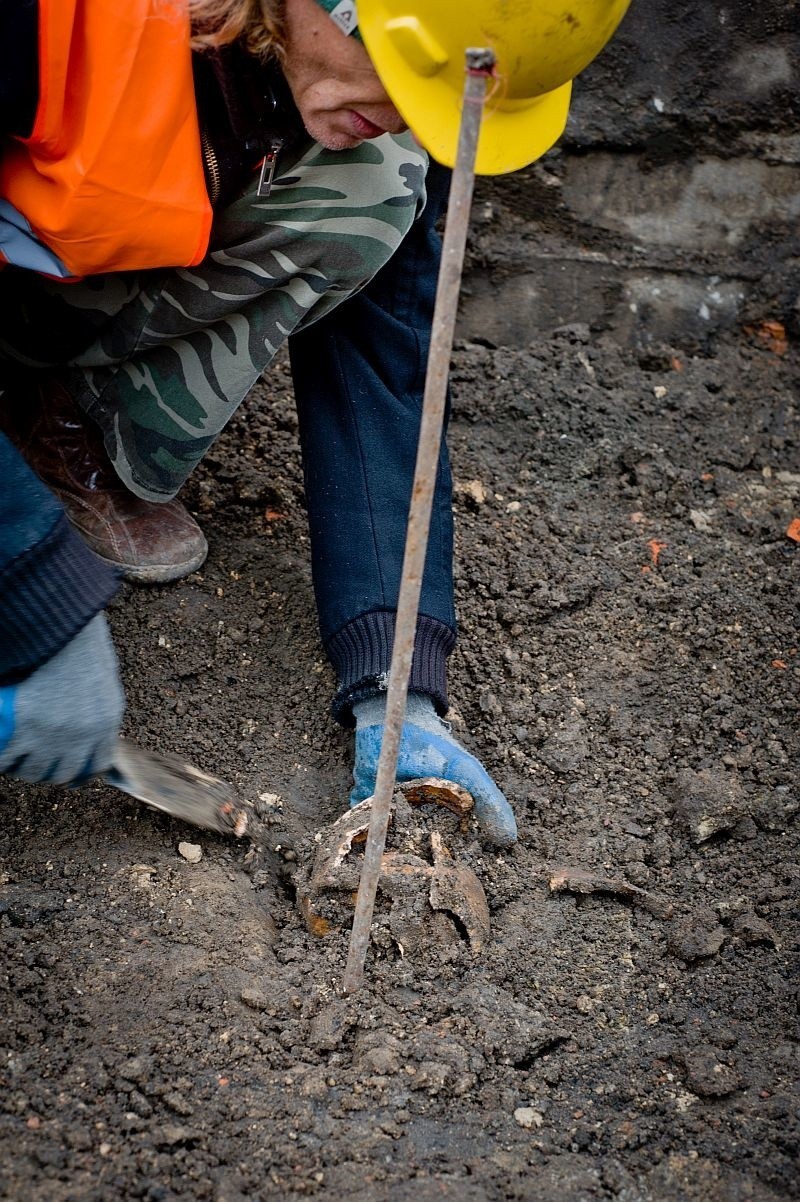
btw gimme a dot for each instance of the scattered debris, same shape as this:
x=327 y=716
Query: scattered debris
x=656 y=548
x=581 y=880
x=191 y=852
x=793 y=530
x=142 y=875
x=771 y=333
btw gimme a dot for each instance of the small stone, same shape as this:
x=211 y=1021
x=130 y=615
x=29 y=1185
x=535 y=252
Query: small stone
x=329 y=1028
x=527 y=1117
x=565 y=748
x=709 y=802
x=432 y=1075
x=746 y=829
x=140 y=1105
x=584 y=1004
x=191 y=852
x=700 y=520
x=473 y=489
x=172 y=1133
x=633 y=828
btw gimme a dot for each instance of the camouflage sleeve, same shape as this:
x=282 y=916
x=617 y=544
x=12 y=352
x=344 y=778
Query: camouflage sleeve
x=171 y=354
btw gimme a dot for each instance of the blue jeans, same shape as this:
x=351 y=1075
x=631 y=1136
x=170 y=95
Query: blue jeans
x=359 y=376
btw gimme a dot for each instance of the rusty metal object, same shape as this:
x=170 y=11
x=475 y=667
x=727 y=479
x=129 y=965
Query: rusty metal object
x=478 y=67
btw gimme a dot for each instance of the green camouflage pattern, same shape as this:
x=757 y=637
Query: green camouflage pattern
x=171 y=354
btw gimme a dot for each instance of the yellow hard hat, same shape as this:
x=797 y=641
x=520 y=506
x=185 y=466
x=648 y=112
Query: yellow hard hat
x=418 y=48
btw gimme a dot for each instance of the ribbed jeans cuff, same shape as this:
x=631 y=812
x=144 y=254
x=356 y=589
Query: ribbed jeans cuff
x=47 y=595
x=361 y=653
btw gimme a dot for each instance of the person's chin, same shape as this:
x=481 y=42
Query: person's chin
x=330 y=137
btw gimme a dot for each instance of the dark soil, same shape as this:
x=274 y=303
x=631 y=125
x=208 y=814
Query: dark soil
x=627 y=669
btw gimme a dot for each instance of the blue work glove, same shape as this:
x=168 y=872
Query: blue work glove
x=427 y=748
x=61 y=723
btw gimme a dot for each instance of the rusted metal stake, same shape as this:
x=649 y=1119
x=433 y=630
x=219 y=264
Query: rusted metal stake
x=479 y=66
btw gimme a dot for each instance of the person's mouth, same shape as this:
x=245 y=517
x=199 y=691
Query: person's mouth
x=363 y=128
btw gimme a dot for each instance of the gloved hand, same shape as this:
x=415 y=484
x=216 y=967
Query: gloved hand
x=427 y=748
x=61 y=723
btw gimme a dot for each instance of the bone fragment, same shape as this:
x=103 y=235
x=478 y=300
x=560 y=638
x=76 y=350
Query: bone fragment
x=431 y=790
x=581 y=880
x=456 y=889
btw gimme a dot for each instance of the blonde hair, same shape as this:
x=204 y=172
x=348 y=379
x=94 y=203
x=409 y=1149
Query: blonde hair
x=256 y=22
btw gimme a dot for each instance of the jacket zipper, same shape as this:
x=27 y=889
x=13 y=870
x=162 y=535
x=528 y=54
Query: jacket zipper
x=268 y=167
x=212 y=168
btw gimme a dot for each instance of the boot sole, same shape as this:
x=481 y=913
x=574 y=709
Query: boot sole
x=157 y=573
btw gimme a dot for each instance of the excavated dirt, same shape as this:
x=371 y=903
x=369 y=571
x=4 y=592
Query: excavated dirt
x=628 y=670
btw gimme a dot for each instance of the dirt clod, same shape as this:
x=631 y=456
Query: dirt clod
x=709 y=802
x=696 y=935
x=752 y=929
x=707 y=1076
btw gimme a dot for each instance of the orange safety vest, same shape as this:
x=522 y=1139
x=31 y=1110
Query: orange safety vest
x=111 y=177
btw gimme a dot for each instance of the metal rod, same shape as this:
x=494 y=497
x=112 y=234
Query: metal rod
x=479 y=65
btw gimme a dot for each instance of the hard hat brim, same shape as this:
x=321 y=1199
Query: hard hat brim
x=513 y=133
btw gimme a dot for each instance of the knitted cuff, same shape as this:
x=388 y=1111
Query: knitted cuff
x=47 y=595
x=361 y=653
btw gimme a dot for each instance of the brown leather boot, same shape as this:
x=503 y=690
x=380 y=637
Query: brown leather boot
x=150 y=542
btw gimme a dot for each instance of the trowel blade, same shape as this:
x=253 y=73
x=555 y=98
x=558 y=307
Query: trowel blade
x=178 y=788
